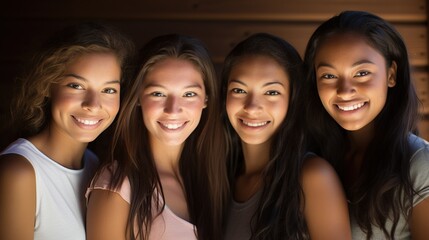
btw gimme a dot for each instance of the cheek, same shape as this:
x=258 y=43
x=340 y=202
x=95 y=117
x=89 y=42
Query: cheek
x=112 y=104
x=381 y=97
x=324 y=94
x=280 y=110
x=59 y=100
x=195 y=108
x=232 y=106
x=147 y=115
x=150 y=107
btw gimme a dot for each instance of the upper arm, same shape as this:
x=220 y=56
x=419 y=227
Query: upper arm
x=326 y=210
x=419 y=220
x=107 y=216
x=17 y=197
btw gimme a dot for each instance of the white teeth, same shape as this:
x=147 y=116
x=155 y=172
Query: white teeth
x=352 y=107
x=87 y=122
x=255 y=124
x=172 y=125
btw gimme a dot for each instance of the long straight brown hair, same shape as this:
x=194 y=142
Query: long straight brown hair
x=201 y=163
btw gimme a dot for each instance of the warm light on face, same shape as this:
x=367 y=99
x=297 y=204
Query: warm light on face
x=172 y=100
x=352 y=80
x=257 y=98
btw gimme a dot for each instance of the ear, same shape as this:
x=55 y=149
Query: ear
x=391 y=74
x=205 y=101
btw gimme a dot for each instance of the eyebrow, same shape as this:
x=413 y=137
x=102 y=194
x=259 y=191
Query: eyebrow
x=360 y=62
x=161 y=86
x=265 y=84
x=86 y=80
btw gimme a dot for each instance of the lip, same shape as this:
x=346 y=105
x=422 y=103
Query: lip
x=87 y=123
x=172 y=126
x=253 y=124
x=350 y=107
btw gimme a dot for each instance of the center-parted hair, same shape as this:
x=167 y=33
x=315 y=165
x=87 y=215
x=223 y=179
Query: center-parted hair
x=384 y=189
x=279 y=214
x=202 y=161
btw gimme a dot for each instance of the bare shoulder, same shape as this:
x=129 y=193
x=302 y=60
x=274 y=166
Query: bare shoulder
x=319 y=180
x=325 y=207
x=317 y=169
x=107 y=216
x=419 y=224
x=17 y=197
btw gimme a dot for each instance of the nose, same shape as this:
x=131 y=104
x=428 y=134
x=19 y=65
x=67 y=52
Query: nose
x=345 y=88
x=252 y=104
x=92 y=101
x=172 y=105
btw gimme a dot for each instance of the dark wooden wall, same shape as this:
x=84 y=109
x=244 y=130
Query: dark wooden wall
x=219 y=23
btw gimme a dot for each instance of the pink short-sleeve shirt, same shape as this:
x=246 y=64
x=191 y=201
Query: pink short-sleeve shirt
x=165 y=226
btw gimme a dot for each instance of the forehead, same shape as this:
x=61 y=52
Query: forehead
x=341 y=47
x=173 y=71
x=257 y=67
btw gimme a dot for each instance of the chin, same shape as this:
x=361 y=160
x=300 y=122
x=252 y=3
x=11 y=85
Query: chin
x=351 y=127
x=86 y=139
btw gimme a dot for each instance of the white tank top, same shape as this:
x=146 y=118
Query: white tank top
x=60 y=201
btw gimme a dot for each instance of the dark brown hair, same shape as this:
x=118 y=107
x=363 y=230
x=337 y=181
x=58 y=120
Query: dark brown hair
x=279 y=214
x=384 y=189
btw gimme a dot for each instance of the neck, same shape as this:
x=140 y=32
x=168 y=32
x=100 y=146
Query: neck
x=256 y=157
x=359 y=141
x=166 y=157
x=62 y=149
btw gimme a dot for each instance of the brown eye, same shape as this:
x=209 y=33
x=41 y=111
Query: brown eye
x=157 y=94
x=238 y=90
x=75 y=86
x=272 y=93
x=189 y=94
x=110 y=91
x=328 y=76
x=362 y=73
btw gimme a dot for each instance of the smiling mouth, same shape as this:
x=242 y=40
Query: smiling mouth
x=87 y=122
x=257 y=124
x=351 y=107
x=173 y=126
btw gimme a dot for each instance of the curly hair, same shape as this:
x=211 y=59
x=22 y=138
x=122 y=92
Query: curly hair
x=31 y=106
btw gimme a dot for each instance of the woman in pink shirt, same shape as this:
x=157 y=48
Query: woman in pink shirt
x=165 y=177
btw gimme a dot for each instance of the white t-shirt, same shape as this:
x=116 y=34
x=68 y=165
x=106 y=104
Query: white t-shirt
x=60 y=201
x=419 y=172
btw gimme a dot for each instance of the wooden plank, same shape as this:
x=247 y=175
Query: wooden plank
x=421 y=82
x=220 y=37
x=423 y=127
x=248 y=10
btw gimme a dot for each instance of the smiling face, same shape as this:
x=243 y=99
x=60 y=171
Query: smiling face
x=352 y=80
x=172 y=100
x=257 y=98
x=85 y=102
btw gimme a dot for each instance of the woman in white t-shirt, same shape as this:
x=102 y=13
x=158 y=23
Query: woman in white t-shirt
x=363 y=110
x=68 y=98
